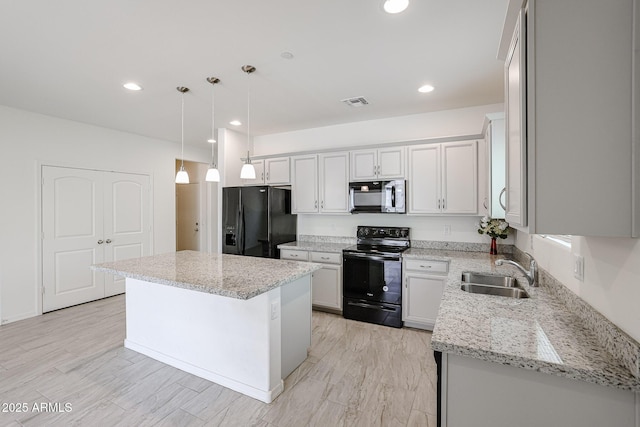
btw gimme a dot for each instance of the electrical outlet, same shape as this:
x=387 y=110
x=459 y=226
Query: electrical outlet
x=447 y=230
x=578 y=267
x=274 y=310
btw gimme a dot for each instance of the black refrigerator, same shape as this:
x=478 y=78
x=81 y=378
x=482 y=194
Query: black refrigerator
x=255 y=220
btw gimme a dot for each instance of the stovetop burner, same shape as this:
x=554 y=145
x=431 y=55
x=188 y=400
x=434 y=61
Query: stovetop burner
x=381 y=240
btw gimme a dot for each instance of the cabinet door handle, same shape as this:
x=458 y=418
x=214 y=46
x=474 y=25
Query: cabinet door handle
x=316 y=204
x=267 y=176
x=294 y=255
x=108 y=241
x=100 y=241
x=500 y=198
x=322 y=204
x=425 y=266
x=443 y=204
x=262 y=176
x=438 y=203
x=324 y=257
x=484 y=203
x=375 y=168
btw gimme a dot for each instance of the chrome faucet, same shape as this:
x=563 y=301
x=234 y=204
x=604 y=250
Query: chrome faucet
x=531 y=275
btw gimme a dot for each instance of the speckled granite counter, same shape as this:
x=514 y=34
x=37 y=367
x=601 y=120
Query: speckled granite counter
x=538 y=333
x=315 y=246
x=227 y=275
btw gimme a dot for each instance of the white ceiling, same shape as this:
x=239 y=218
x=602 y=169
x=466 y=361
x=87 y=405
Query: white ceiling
x=69 y=59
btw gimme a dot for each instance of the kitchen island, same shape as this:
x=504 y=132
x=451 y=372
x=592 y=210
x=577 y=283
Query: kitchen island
x=241 y=322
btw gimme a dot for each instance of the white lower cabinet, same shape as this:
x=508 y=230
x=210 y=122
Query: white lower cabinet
x=424 y=282
x=475 y=392
x=326 y=284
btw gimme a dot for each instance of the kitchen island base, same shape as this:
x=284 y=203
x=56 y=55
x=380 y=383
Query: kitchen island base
x=249 y=345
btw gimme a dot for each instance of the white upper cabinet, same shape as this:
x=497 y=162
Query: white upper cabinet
x=459 y=177
x=273 y=171
x=258 y=165
x=424 y=179
x=516 y=148
x=334 y=182
x=304 y=185
x=384 y=163
x=572 y=112
x=277 y=171
x=320 y=183
x=443 y=178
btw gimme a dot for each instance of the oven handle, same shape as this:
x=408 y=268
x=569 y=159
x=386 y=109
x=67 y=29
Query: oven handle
x=372 y=257
x=365 y=305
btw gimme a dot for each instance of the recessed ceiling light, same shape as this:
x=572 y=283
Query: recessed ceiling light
x=211 y=140
x=426 y=89
x=132 y=86
x=287 y=55
x=235 y=122
x=395 y=6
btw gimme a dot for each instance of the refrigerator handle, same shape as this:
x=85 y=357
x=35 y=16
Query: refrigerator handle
x=239 y=231
x=241 y=237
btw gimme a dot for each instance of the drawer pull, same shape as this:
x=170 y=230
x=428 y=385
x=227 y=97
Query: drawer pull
x=324 y=257
x=425 y=266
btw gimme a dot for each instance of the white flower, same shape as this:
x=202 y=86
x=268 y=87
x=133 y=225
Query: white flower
x=485 y=219
x=503 y=226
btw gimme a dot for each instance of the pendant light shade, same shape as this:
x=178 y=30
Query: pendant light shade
x=248 y=171
x=213 y=175
x=182 y=177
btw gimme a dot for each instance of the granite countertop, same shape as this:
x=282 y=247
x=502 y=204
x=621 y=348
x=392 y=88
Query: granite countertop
x=232 y=276
x=537 y=333
x=315 y=246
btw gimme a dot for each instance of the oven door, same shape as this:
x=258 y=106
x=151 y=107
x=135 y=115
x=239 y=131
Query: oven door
x=376 y=278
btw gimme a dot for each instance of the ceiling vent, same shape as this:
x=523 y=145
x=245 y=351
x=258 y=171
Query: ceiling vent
x=358 y=101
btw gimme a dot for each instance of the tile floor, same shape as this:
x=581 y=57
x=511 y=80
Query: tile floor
x=357 y=374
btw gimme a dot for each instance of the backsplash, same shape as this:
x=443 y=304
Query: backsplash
x=460 y=246
x=621 y=346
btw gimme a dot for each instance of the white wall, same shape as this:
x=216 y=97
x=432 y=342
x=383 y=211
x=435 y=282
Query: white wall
x=611 y=273
x=233 y=147
x=462 y=121
x=28 y=140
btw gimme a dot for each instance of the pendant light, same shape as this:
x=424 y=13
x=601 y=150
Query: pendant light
x=213 y=175
x=248 y=171
x=182 y=177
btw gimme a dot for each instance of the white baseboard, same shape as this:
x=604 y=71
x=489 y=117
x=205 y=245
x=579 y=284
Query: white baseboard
x=266 y=396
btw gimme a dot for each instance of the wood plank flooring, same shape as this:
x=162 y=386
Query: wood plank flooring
x=357 y=374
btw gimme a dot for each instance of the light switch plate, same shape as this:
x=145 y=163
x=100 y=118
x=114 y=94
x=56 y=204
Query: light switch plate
x=447 y=230
x=578 y=267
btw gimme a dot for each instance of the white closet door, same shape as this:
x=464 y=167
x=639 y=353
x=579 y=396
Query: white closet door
x=73 y=239
x=126 y=222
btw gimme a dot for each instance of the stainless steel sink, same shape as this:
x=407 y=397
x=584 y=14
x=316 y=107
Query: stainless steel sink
x=488 y=279
x=501 y=291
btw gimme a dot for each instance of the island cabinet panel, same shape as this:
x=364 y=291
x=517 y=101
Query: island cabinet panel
x=506 y=396
x=247 y=345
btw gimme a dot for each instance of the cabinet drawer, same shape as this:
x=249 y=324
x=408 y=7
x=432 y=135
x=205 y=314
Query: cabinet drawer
x=326 y=257
x=294 y=255
x=426 y=266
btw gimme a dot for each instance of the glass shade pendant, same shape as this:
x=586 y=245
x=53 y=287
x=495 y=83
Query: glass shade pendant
x=213 y=175
x=182 y=177
x=248 y=171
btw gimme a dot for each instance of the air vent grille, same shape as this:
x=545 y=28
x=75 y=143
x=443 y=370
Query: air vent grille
x=357 y=101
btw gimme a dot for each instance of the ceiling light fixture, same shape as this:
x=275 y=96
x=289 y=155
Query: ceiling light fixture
x=395 y=6
x=182 y=177
x=426 y=89
x=235 y=122
x=132 y=86
x=213 y=175
x=248 y=171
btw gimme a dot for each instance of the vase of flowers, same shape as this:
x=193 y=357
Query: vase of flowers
x=494 y=228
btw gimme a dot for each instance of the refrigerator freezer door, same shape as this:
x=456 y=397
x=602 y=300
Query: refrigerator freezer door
x=231 y=226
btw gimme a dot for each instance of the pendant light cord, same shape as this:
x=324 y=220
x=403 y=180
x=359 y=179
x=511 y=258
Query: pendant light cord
x=182 y=131
x=248 y=116
x=213 y=130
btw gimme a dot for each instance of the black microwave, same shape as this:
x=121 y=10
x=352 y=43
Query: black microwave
x=377 y=197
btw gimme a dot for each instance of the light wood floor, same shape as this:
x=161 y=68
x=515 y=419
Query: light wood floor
x=357 y=374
